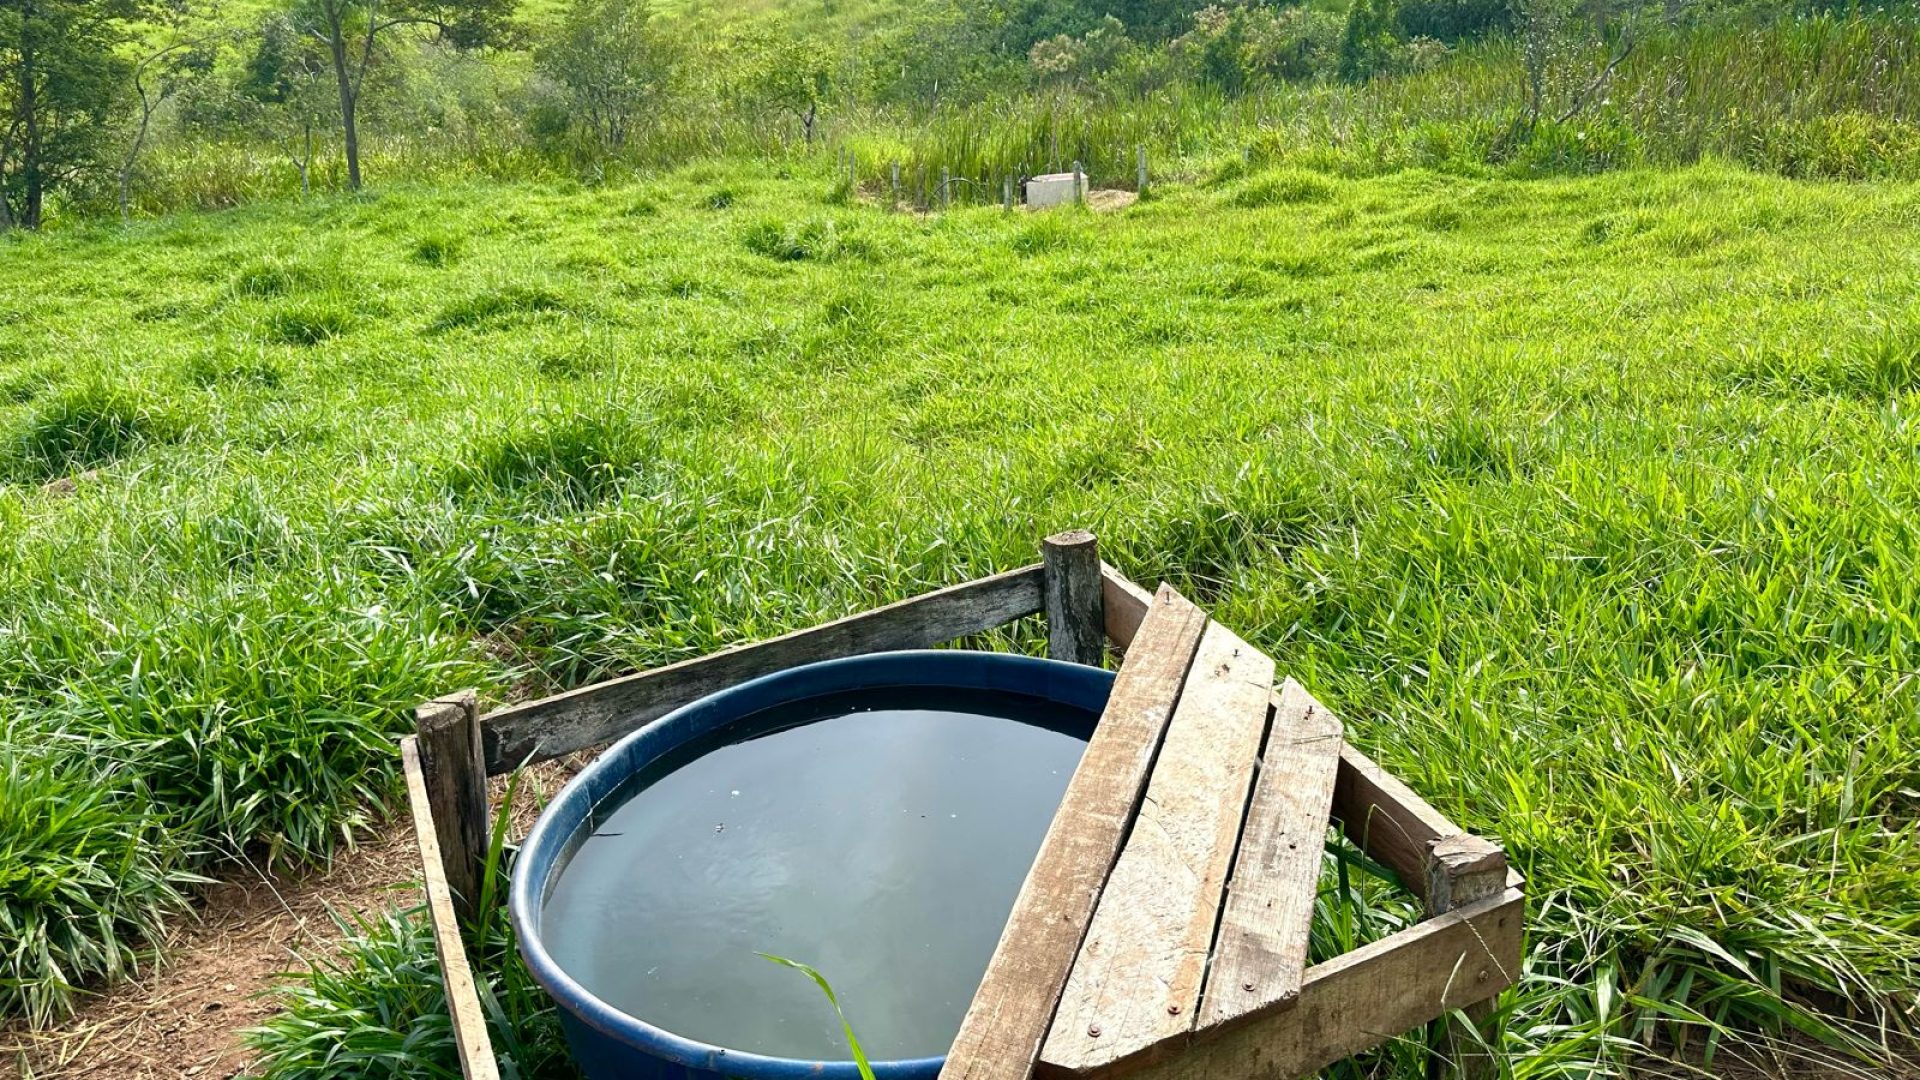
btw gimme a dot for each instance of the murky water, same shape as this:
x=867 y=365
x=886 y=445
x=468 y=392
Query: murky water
x=878 y=836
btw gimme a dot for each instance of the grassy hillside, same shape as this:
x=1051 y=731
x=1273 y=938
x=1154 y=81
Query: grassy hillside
x=1590 y=503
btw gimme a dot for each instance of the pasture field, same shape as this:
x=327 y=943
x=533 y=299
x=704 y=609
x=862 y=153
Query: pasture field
x=1589 y=503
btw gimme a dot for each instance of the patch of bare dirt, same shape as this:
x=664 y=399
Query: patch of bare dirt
x=182 y=1019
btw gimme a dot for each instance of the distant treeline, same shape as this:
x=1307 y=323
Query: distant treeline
x=151 y=105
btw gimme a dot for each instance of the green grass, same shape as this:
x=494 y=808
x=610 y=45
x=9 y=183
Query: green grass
x=1589 y=502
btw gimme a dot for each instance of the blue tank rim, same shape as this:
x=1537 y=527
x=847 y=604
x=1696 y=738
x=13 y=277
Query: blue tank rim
x=1069 y=683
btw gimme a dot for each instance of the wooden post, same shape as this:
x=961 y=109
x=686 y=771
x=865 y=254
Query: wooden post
x=1006 y=194
x=1079 y=183
x=1076 y=608
x=1462 y=869
x=456 y=779
x=896 y=185
x=1140 y=163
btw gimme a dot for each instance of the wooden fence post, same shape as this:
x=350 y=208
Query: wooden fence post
x=1462 y=869
x=1079 y=183
x=1075 y=599
x=1140 y=160
x=455 y=773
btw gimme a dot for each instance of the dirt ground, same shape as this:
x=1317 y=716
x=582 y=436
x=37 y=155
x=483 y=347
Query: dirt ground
x=182 y=1019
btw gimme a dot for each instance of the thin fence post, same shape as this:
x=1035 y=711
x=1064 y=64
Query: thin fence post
x=1075 y=601
x=896 y=184
x=455 y=772
x=1006 y=194
x=1461 y=870
x=1140 y=163
x=1079 y=182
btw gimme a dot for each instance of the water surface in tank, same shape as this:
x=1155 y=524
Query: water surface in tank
x=879 y=835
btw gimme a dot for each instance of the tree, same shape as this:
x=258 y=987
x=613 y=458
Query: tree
x=1371 y=41
x=611 y=66
x=61 y=77
x=789 y=76
x=282 y=94
x=156 y=79
x=350 y=30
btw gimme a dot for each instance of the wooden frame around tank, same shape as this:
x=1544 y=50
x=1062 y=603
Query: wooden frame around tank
x=1475 y=903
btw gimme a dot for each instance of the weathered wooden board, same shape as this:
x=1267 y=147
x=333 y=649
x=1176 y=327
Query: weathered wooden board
x=1260 y=955
x=1001 y=1033
x=1387 y=819
x=1135 y=986
x=1381 y=814
x=1126 y=605
x=600 y=713
x=463 y=1000
x=1361 y=999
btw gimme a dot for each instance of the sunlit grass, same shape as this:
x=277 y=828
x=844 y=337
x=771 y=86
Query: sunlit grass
x=1590 y=503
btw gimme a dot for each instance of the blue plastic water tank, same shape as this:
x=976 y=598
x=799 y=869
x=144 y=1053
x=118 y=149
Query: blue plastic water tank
x=611 y=1045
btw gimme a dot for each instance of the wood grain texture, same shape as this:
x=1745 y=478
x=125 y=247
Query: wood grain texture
x=1359 y=1000
x=1135 y=985
x=1462 y=870
x=1074 y=605
x=600 y=713
x=1387 y=819
x=1260 y=955
x=1126 y=605
x=449 y=747
x=456 y=975
x=1001 y=1034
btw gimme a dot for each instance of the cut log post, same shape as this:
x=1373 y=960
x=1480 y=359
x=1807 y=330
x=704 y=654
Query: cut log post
x=465 y=1016
x=1076 y=608
x=456 y=781
x=1463 y=870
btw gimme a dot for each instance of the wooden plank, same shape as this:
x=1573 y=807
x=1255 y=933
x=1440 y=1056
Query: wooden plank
x=1075 y=618
x=600 y=713
x=1387 y=819
x=1373 y=806
x=1001 y=1033
x=1361 y=999
x=449 y=746
x=1261 y=953
x=463 y=999
x=1126 y=604
x=1135 y=986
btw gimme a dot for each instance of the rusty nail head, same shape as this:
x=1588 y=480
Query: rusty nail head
x=1173 y=1010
